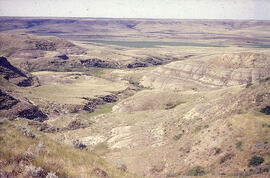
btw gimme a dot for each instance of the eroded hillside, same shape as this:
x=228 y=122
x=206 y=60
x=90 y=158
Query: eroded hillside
x=219 y=70
x=156 y=111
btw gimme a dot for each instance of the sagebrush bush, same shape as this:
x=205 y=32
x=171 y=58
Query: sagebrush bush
x=177 y=137
x=196 y=171
x=226 y=157
x=255 y=161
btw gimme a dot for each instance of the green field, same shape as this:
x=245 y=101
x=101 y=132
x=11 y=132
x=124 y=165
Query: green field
x=148 y=44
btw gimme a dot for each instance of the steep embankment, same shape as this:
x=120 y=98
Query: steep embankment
x=34 y=53
x=26 y=46
x=16 y=106
x=12 y=104
x=211 y=71
x=15 y=75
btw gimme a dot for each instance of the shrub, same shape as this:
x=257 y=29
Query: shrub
x=196 y=171
x=266 y=110
x=99 y=172
x=239 y=145
x=177 y=137
x=199 y=128
x=206 y=126
x=265 y=79
x=176 y=174
x=226 y=157
x=255 y=161
x=79 y=145
x=248 y=85
x=266 y=125
x=172 y=105
x=217 y=151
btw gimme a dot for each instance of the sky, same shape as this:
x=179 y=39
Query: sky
x=177 y=9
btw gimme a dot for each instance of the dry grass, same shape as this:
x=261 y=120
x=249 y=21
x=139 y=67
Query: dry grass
x=65 y=160
x=67 y=88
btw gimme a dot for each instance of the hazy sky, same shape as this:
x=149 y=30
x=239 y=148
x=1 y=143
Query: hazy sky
x=182 y=9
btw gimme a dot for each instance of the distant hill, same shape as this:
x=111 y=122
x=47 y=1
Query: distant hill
x=230 y=32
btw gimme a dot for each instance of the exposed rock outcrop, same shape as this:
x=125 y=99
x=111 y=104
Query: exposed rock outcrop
x=12 y=107
x=6 y=101
x=14 y=75
x=32 y=113
x=98 y=63
x=92 y=103
x=43 y=126
x=76 y=124
x=63 y=57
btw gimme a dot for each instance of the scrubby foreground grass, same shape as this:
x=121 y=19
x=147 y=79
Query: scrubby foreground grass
x=21 y=156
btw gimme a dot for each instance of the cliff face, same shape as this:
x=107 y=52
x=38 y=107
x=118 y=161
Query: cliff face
x=215 y=71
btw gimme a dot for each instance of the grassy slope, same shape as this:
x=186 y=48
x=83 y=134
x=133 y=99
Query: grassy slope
x=63 y=88
x=65 y=160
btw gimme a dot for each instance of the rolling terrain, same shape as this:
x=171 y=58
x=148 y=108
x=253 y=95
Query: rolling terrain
x=134 y=97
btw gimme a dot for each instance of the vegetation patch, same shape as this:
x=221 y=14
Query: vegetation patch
x=249 y=85
x=196 y=171
x=265 y=79
x=103 y=109
x=256 y=161
x=266 y=125
x=177 y=174
x=226 y=157
x=217 y=151
x=172 y=105
x=199 y=128
x=177 y=137
x=76 y=124
x=95 y=71
x=238 y=145
x=149 y=44
x=45 y=45
x=266 y=110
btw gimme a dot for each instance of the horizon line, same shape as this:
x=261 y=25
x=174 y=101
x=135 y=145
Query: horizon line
x=139 y=18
